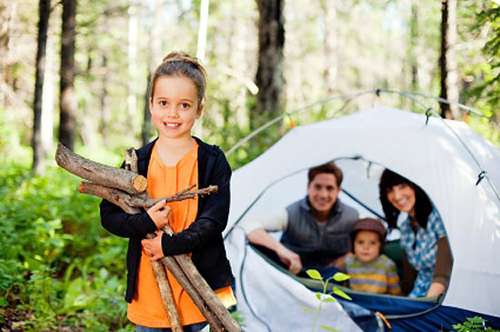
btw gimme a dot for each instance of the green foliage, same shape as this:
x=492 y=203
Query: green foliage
x=480 y=66
x=473 y=324
x=326 y=297
x=58 y=268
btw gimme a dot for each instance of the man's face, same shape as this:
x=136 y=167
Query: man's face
x=323 y=192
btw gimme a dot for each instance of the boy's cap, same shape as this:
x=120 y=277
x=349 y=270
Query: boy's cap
x=370 y=224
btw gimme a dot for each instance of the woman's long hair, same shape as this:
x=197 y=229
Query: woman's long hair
x=423 y=205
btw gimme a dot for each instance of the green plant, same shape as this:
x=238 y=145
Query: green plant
x=473 y=324
x=59 y=270
x=325 y=296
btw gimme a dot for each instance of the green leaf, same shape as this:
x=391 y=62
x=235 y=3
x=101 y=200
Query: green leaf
x=328 y=328
x=318 y=296
x=339 y=292
x=314 y=274
x=3 y=302
x=339 y=277
x=329 y=299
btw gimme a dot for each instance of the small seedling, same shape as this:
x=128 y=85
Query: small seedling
x=325 y=296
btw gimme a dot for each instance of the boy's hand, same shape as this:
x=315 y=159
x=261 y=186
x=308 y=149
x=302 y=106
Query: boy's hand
x=152 y=247
x=159 y=213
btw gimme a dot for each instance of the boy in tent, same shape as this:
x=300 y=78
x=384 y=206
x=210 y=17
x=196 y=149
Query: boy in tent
x=371 y=271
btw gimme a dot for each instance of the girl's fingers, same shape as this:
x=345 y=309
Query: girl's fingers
x=158 y=205
x=146 y=244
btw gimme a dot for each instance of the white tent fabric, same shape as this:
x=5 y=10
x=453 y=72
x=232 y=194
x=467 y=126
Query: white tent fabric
x=429 y=155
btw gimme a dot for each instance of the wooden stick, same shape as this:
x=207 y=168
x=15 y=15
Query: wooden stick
x=99 y=173
x=112 y=195
x=166 y=293
x=171 y=264
x=158 y=268
x=123 y=199
x=209 y=297
x=131 y=161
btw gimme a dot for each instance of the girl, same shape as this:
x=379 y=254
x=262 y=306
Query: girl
x=423 y=236
x=173 y=162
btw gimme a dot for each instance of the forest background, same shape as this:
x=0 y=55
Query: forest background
x=265 y=59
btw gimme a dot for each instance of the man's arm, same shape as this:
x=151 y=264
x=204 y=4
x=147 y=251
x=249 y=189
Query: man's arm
x=257 y=233
x=260 y=237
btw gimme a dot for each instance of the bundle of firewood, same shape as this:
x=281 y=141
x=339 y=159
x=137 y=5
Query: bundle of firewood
x=127 y=189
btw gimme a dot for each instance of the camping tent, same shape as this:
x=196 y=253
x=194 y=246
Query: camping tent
x=443 y=157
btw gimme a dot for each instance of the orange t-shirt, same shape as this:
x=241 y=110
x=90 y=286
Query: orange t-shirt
x=147 y=308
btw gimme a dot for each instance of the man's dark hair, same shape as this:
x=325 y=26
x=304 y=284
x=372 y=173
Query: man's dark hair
x=423 y=205
x=329 y=168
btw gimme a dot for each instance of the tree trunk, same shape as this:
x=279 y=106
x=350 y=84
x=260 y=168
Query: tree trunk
x=146 y=121
x=7 y=11
x=133 y=25
x=103 y=101
x=49 y=94
x=413 y=46
x=67 y=100
x=447 y=60
x=154 y=56
x=36 y=140
x=202 y=31
x=269 y=76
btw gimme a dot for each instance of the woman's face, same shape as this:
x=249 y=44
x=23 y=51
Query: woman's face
x=402 y=197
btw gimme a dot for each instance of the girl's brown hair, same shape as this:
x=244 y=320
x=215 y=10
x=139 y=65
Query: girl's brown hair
x=182 y=64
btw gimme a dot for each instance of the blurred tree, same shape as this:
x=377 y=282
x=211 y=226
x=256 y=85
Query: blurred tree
x=447 y=59
x=202 y=30
x=153 y=57
x=329 y=10
x=36 y=141
x=269 y=77
x=67 y=99
x=413 y=55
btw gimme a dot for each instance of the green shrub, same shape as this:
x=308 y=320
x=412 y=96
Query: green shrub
x=473 y=324
x=58 y=268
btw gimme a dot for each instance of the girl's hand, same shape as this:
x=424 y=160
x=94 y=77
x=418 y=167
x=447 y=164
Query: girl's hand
x=159 y=213
x=152 y=247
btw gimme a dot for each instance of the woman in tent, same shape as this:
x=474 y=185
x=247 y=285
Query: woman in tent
x=423 y=236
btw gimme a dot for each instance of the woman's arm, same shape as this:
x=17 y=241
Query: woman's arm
x=442 y=271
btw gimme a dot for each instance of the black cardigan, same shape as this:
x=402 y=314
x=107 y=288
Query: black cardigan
x=203 y=238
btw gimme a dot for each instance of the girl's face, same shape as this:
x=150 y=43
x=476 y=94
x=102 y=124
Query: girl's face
x=402 y=197
x=174 y=106
x=366 y=246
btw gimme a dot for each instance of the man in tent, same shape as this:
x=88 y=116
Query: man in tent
x=315 y=228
